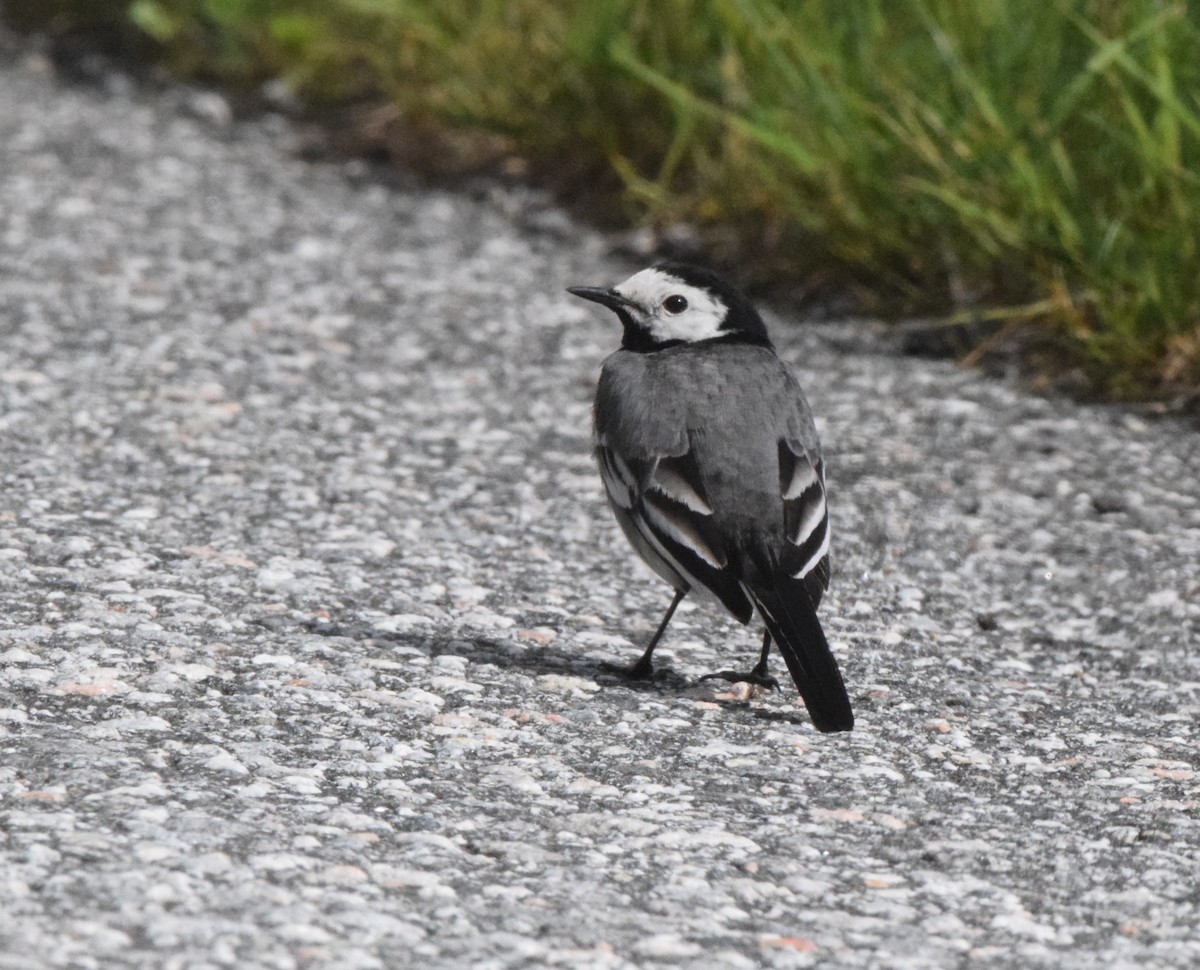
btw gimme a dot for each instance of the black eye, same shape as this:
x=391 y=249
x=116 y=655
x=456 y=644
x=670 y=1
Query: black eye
x=675 y=304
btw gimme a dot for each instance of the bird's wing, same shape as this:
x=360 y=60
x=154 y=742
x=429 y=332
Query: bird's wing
x=664 y=499
x=805 y=516
x=787 y=595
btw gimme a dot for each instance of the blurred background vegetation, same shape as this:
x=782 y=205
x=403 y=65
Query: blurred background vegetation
x=1029 y=165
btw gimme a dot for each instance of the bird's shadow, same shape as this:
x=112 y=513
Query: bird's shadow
x=536 y=659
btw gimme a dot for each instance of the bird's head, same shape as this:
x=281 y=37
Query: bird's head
x=676 y=303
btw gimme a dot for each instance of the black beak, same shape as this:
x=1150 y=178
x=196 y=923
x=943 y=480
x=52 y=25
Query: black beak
x=597 y=294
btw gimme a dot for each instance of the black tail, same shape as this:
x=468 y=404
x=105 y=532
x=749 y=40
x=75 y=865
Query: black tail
x=787 y=610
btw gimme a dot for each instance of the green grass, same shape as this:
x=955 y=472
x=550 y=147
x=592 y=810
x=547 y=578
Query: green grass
x=1037 y=155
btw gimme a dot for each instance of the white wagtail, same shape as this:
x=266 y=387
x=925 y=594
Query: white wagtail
x=713 y=469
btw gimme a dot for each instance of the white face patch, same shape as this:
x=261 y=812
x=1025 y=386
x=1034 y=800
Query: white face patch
x=669 y=309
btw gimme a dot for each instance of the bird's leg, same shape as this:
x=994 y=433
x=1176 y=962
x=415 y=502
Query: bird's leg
x=758 y=676
x=644 y=668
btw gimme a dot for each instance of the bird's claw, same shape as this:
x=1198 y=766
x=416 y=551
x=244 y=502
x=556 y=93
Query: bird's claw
x=749 y=677
x=642 y=670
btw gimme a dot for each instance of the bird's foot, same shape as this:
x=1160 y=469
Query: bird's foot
x=755 y=677
x=642 y=670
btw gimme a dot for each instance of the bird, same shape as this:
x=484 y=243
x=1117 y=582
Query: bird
x=712 y=466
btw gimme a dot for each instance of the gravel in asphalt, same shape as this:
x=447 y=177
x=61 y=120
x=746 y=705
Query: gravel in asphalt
x=306 y=579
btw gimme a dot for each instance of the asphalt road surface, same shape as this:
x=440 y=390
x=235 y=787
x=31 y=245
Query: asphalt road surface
x=306 y=580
